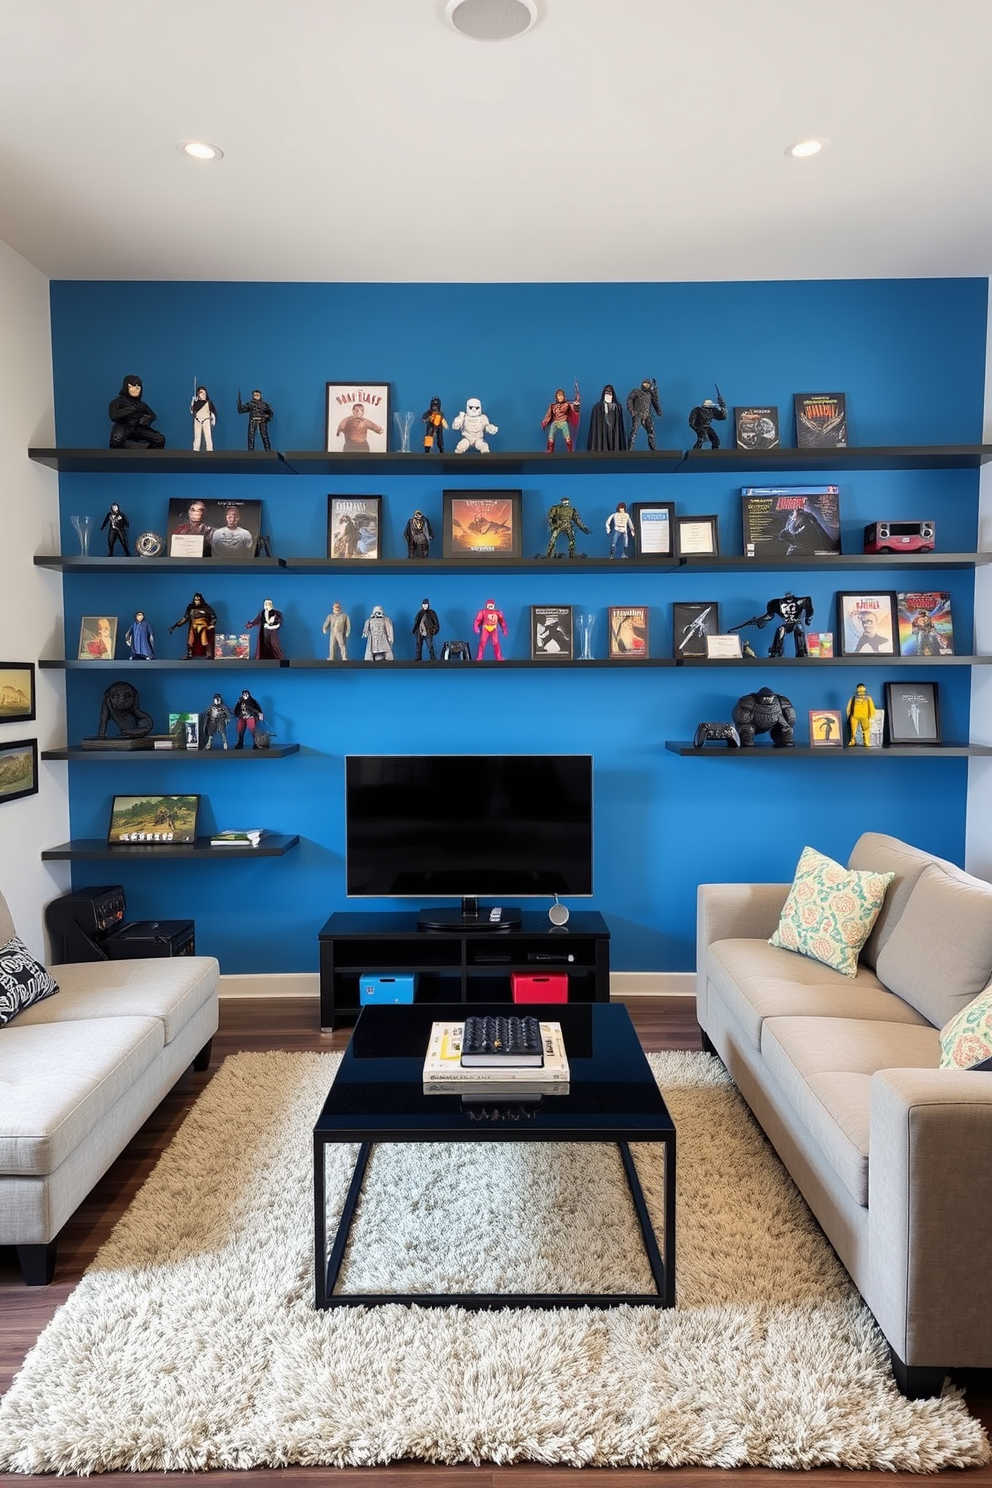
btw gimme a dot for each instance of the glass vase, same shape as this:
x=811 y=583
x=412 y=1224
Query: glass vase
x=585 y=625
x=404 y=422
x=84 y=527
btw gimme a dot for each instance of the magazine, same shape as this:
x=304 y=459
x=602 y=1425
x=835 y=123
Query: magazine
x=791 y=521
x=821 y=420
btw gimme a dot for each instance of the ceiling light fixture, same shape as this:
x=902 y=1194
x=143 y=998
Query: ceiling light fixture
x=803 y=149
x=491 y=20
x=199 y=150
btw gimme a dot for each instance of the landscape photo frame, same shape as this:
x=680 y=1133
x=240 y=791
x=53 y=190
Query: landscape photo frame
x=356 y=420
x=18 y=769
x=17 y=691
x=153 y=821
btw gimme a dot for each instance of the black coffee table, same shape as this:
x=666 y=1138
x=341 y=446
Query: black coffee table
x=378 y=1096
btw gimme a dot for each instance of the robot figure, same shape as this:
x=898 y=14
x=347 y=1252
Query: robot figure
x=378 y=634
x=620 y=526
x=472 y=425
x=204 y=418
x=563 y=518
x=131 y=419
x=117 y=524
x=488 y=624
x=425 y=628
x=213 y=722
x=701 y=420
x=419 y=535
x=435 y=424
x=561 y=418
x=247 y=713
x=860 y=712
x=139 y=638
x=268 y=646
x=200 y=620
x=606 y=427
x=793 y=613
x=765 y=712
x=259 y=412
x=640 y=401
x=337 y=627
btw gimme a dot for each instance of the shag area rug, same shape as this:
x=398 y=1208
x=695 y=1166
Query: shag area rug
x=192 y=1341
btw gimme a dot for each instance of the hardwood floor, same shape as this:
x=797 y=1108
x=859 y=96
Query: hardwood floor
x=291 y=1024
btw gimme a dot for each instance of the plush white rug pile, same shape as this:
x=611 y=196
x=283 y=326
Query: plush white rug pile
x=192 y=1341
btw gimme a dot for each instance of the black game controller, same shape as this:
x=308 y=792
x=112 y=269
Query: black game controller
x=717 y=731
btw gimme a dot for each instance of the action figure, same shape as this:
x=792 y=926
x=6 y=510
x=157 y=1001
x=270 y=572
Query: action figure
x=117 y=524
x=139 y=638
x=563 y=518
x=378 y=634
x=425 y=628
x=793 y=612
x=562 y=417
x=200 y=620
x=204 y=418
x=247 y=713
x=131 y=419
x=473 y=424
x=488 y=624
x=354 y=428
x=435 y=425
x=620 y=526
x=764 y=712
x=701 y=420
x=268 y=646
x=337 y=627
x=860 y=712
x=214 y=720
x=606 y=427
x=640 y=401
x=120 y=706
x=259 y=413
x=419 y=535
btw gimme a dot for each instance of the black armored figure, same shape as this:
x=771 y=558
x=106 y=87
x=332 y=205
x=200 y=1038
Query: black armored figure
x=793 y=612
x=701 y=420
x=131 y=419
x=259 y=412
x=765 y=712
x=640 y=401
x=418 y=534
x=425 y=628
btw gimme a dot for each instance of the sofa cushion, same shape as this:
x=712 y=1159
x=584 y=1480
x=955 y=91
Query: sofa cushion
x=966 y=1040
x=23 y=980
x=880 y=853
x=171 y=988
x=939 y=953
x=830 y=911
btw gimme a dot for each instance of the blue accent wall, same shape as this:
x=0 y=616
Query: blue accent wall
x=910 y=356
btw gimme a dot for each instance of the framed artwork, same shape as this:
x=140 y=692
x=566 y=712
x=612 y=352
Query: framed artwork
x=97 y=638
x=692 y=622
x=757 y=428
x=16 y=691
x=912 y=714
x=826 y=728
x=866 y=624
x=152 y=820
x=629 y=632
x=697 y=537
x=353 y=527
x=357 y=420
x=185 y=730
x=225 y=530
x=924 y=622
x=18 y=769
x=482 y=524
x=551 y=632
x=654 y=529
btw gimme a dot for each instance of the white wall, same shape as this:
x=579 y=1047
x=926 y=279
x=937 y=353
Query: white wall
x=978 y=852
x=32 y=597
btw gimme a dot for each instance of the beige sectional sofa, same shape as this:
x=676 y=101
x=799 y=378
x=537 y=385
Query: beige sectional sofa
x=79 y=1074
x=892 y=1153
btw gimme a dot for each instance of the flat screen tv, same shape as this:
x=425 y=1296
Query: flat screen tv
x=467 y=826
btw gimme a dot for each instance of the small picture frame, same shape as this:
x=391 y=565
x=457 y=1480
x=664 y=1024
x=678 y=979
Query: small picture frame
x=654 y=529
x=354 y=527
x=153 y=821
x=724 y=648
x=697 y=537
x=629 y=632
x=97 y=638
x=866 y=624
x=826 y=728
x=551 y=633
x=184 y=729
x=912 y=712
x=17 y=693
x=357 y=418
x=18 y=769
x=693 y=621
x=482 y=524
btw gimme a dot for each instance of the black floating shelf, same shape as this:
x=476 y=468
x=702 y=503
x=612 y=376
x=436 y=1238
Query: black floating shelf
x=252 y=566
x=272 y=845
x=497 y=462
x=507 y=664
x=837 y=561
x=161 y=462
x=863 y=457
x=77 y=752
x=136 y=668
x=863 y=660
x=800 y=751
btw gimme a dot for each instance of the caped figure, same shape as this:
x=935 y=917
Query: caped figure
x=435 y=424
x=563 y=518
x=701 y=420
x=765 y=712
x=247 y=713
x=259 y=412
x=213 y=721
x=640 y=401
x=131 y=420
x=418 y=534
x=378 y=635
x=200 y=620
x=562 y=417
x=425 y=628
x=606 y=425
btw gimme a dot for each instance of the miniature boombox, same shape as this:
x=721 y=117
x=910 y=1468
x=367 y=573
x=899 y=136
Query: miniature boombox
x=900 y=537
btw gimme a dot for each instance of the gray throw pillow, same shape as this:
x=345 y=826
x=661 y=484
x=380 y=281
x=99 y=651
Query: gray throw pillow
x=938 y=956
x=23 y=980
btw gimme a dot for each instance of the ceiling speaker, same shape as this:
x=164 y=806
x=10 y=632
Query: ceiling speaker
x=491 y=20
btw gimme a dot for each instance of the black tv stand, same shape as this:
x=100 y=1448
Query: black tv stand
x=472 y=918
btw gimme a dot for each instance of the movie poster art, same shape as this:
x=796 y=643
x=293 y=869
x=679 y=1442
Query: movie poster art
x=353 y=527
x=551 y=632
x=790 y=521
x=357 y=421
x=925 y=624
x=482 y=524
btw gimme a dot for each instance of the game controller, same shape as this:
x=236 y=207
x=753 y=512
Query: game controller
x=717 y=732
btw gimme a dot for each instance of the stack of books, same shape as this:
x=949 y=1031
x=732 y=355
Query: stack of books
x=523 y=1058
x=241 y=837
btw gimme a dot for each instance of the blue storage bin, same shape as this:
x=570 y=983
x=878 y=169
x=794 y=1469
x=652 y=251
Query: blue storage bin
x=376 y=986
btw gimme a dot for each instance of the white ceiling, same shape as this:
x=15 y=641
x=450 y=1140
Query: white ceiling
x=365 y=140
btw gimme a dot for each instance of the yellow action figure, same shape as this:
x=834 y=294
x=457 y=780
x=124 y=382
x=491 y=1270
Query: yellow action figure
x=860 y=712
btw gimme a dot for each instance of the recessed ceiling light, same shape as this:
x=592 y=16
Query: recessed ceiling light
x=491 y=20
x=199 y=150
x=802 y=149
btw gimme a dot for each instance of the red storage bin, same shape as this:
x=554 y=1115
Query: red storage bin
x=539 y=987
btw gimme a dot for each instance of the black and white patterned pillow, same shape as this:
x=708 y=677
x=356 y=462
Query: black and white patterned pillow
x=23 y=980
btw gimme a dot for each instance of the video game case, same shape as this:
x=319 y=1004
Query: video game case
x=790 y=521
x=821 y=420
x=757 y=428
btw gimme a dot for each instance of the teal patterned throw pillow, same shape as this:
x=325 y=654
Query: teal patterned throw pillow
x=830 y=911
x=966 y=1041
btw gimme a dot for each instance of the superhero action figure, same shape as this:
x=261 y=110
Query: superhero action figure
x=259 y=413
x=860 y=712
x=765 y=712
x=435 y=424
x=793 y=613
x=620 y=526
x=200 y=620
x=247 y=713
x=117 y=524
x=563 y=518
x=213 y=722
x=701 y=420
x=488 y=624
x=640 y=401
x=606 y=426
x=473 y=424
x=204 y=418
x=131 y=420
x=418 y=534
x=425 y=628
x=268 y=646
x=139 y=638
x=337 y=628
x=562 y=417
x=378 y=634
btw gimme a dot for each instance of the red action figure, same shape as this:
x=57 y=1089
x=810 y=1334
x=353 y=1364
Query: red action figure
x=488 y=624
x=561 y=418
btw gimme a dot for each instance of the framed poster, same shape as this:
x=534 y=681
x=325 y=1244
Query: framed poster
x=911 y=710
x=826 y=728
x=628 y=632
x=924 y=623
x=692 y=622
x=757 y=428
x=353 y=527
x=866 y=624
x=696 y=537
x=18 y=769
x=17 y=703
x=153 y=820
x=97 y=638
x=482 y=524
x=654 y=529
x=357 y=419
x=225 y=530
x=551 y=632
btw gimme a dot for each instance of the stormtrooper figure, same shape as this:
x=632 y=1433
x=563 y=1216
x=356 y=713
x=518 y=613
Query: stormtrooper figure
x=472 y=424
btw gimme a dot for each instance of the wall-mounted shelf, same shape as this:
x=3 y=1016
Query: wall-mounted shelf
x=272 y=845
x=91 y=565
x=835 y=561
x=800 y=751
x=77 y=752
x=863 y=660
x=508 y=663
x=864 y=457
x=190 y=664
x=161 y=462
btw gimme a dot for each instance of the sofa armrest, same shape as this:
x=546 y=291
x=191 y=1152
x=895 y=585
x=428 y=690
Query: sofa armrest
x=736 y=911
